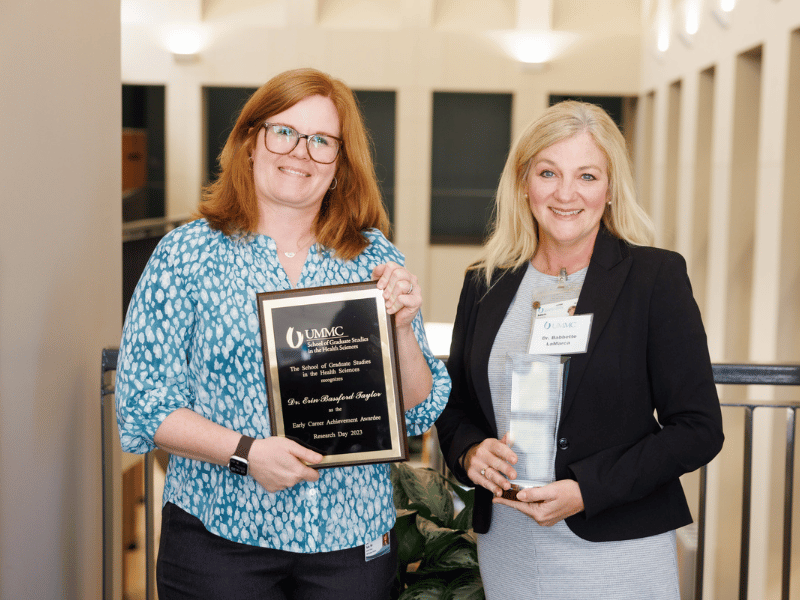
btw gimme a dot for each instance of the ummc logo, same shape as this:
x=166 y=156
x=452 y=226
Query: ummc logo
x=295 y=338
x=290 y=334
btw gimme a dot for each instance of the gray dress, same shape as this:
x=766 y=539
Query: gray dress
x=521 y=559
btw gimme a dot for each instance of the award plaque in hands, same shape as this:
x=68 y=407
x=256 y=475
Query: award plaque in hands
x=332 y=372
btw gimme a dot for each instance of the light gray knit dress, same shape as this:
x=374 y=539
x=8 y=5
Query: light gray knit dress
x=523 y=560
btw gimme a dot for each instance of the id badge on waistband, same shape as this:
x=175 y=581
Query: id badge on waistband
x=377 y=547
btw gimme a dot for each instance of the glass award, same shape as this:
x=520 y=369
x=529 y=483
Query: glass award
x=537 y=387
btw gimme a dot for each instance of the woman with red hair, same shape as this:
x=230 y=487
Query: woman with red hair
x=296 y=205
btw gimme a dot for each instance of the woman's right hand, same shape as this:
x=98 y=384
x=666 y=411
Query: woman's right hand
x=277 y=463
x=489 y=464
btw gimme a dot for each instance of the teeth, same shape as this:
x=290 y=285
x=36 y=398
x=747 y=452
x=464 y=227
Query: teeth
x=566 y=213
x=293 y=172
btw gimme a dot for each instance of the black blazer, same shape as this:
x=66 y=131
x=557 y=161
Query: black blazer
x=647 y=352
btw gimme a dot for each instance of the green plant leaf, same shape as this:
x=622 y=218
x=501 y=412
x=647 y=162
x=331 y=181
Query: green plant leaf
x=448 y=552
x=467 y=586
x=427 y=589
x=401 y=499
x=463 y=520
x=426 y=491
x=440 y=545
x=430 y=530
x=411 y=542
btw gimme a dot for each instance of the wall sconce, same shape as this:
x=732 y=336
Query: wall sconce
x=533 y=50
x=722 y=12
x=185 y=44
x=661 y=31
x=691 y=21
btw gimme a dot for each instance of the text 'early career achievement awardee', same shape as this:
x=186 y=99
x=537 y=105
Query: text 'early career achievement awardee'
x=332 y=373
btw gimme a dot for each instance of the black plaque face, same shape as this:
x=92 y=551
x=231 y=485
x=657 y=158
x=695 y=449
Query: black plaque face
x=332 y=374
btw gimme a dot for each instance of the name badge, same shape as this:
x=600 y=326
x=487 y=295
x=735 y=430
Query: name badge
x=377 y=547
x=560 y=335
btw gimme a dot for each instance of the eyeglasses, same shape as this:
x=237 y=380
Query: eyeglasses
x=282 y=139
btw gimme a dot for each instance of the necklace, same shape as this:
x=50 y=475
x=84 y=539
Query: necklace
x=299 y=249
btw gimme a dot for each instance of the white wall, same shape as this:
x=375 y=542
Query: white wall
x=60 y=287
x=734 y=217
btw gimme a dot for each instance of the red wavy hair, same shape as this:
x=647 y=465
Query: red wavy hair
x=229 y=203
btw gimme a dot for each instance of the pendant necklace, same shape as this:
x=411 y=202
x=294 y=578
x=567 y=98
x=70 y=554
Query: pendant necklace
x=293 y=254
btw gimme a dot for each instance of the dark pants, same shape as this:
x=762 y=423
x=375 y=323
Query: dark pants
x=194 y=563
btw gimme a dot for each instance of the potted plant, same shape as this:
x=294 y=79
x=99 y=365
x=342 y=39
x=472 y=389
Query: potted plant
x=437 y=554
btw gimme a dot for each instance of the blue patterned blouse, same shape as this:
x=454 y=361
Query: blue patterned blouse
x=191 y=339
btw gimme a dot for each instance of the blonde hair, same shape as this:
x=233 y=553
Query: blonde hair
x=514 y=236
x=354 y=205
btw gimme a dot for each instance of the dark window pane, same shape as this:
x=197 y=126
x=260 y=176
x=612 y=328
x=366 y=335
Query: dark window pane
x=471 y=139
x=379 y=109
x=223 y=105
x=143 y=127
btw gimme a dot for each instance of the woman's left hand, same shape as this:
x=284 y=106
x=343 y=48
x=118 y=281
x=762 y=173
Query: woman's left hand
x=549 y=504
x=400 y=290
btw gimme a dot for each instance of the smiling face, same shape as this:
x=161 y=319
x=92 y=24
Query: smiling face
x=568 y=191
x=294 y=180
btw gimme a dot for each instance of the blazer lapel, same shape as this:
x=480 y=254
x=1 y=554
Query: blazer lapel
x=608 y=269
x=492 y=310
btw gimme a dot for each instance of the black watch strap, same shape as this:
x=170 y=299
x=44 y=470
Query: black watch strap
x=238 y=463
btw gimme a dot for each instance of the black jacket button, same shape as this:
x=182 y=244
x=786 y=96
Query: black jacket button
x=563 y=443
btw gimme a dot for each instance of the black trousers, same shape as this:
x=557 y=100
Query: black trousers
x=196 y=564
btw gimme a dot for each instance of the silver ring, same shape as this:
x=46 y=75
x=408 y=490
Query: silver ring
x=483 y=472
x=410 y=287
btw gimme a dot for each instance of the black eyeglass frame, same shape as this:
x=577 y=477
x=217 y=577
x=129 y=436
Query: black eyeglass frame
x=300 y=136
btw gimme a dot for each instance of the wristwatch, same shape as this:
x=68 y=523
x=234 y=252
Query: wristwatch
x=238 y=464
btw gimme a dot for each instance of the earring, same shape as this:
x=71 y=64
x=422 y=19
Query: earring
x=333 y=185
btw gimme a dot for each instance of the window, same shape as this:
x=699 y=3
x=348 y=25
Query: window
x=471 y=139
x=143 y=169
x=379 y=109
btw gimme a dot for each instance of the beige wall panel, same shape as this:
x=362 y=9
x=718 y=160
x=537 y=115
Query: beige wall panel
x=60 y=288
x=701 y=189
x=744 y=181
x=672 y=173
x=445 y=291
x=744 y=266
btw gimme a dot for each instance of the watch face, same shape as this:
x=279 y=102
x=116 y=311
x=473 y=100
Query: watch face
x=237 y=466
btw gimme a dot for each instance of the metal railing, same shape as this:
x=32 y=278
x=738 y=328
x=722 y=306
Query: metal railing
x=749 y=374
x=108 y=438
x=724 y=374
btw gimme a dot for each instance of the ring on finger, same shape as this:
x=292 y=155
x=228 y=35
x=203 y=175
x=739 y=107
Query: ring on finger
x=483 y=472
x=410 y=287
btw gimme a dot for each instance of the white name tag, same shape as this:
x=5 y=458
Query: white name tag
x=560 y=335
x=377 y=547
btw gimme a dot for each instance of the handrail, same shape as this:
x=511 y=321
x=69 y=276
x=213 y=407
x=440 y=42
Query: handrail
x=109 y=433
x=144 y=228
x=754 y=374
x=108 y=364
x=724 y=374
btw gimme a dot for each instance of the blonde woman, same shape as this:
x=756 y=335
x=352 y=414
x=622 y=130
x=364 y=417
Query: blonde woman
x=629 y=415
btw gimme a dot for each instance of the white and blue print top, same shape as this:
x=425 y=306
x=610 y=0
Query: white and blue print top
x=192 y=339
